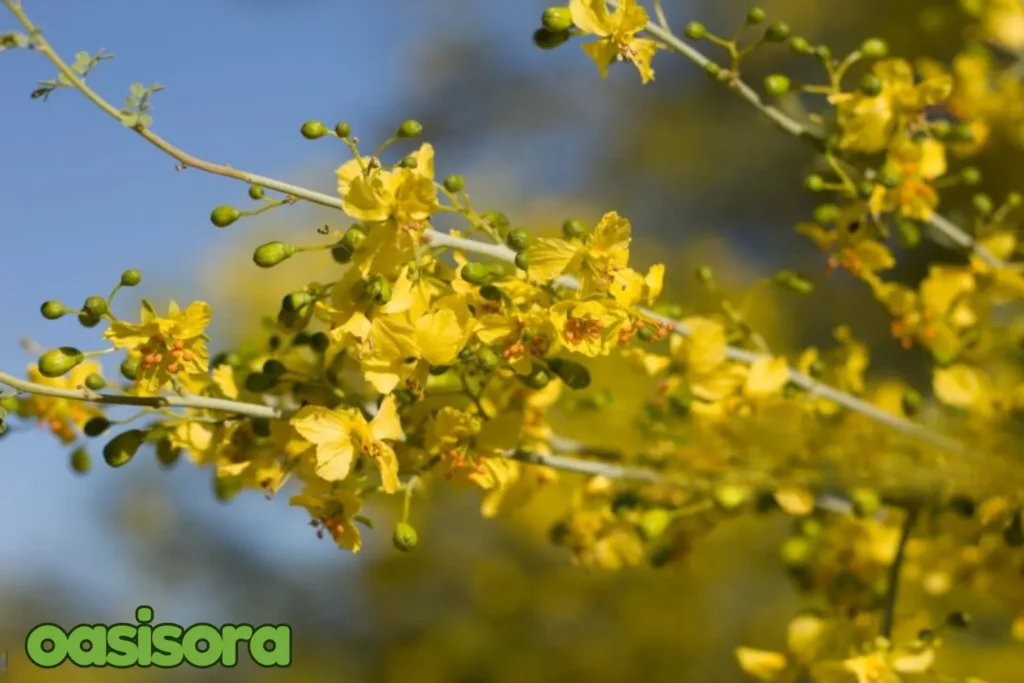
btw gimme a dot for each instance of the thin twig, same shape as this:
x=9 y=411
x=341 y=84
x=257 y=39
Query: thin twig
x=889 y=608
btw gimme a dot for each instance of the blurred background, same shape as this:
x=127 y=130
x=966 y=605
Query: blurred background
x=539 y=136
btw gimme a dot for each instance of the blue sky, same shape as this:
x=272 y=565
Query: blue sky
x=84 y=199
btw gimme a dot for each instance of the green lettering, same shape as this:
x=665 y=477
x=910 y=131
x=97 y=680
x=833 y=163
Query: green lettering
x=280 y=652
x=167 y=652
x=144 y=639
x=121 y=643
x=197 y=633
x=232 y=635
x=47 y=633
x=96 y=652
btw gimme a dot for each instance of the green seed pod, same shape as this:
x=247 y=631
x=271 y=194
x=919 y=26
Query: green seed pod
x=814 y=183
x=96 y=426
x=490 y=293
x=341 y=252
x=488 y=359
x=777 y=32
x=518 y=240
x=874 y=48
x=454 y=183
x=319 y=342
x=823 y=52
x=52 y=310
x=296 y=301
x=59 y=361
x=476 y=273
x=695 y=30
x=81 y=463
x=274 y=368
x=130 y=278
x=342 y=129
x=575 y=375
x=498 y=221
x=255 y=192
x=354 y=238
x=166 y=453
x=549 y=40
x=776 y=85
x=311 y=130
x=88 y=321
x=800 y=46
x=95 y=306
x=982 y=204
x=259 y=382
x=970 y=176
x=909 y=234
x=826 y=213
x=223 y=216
x=272 y=253
x=377 y=289
x=409 y=161
x=522 y=261
x=410 y=129
x=130 y=368
x=95 y=382
x=871 y=85
x=405 y=537
x=123 y=447
x=556 y=19
x=755 y=16
x=889 y=178
x=537 y=379
x=705 y=275
x=438 y=370
x=574 y=229
x=912 y=402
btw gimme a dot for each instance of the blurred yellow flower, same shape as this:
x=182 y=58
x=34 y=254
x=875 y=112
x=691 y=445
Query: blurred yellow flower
x=616 y=34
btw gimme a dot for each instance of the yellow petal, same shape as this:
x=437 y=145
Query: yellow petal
x=760 y=664
x=328 y=430
x=603 y=52
x=590 y=16
x=387 y=463
x=385 y=424
x=767 y=376
x=549 y=257
x=194 y=320
x=958 y=385
x=795 y=501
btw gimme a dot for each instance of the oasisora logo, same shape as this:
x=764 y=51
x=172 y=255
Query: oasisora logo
x=145 y=644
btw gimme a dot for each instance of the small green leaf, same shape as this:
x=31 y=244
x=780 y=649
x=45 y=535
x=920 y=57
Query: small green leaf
x=129 y=119
x=130 y=103
x=145 y=120
x=137 y=90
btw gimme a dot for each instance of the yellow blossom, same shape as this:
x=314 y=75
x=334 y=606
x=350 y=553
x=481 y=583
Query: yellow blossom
x=916 y=164
x=767 y=376
x=616 y=34
x=59 y=415
x=406 y=196
x=589 y=327
x=333 y=510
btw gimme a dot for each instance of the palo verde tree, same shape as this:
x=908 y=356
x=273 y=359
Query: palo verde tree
x=435 y=358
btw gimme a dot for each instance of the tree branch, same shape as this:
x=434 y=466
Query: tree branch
x=889 y=609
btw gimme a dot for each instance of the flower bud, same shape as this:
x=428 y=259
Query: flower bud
x=549 y=40
x=377 y=289
x=319 y=342
x=960 y=620
x=814 y=183
x=95 y=306
x=874 y=48
x=130 y=368
x=537 y=379
x=476 y=273
x=794 y=282
x=311 y=130
x=823 y=52
x=865 y=502
x=57 y=362
x=342 y=129
x=654 y=522
x=865 y=189
x=982 y=204
x=909 y=234
x=52 y=310
x=81 y=463
x=255 y=192
x=889 y=178
x=1014 y=199
x=574 y=229
x=354 y=238
x=96 y=426
x=776 y=85
x=777 y=32
x=405 y=537
x=130 y=278
x=575 y=375
x=88 y=321
x=296 y=301
x=341 y=252
x=970 y=176
x=800 y=46
x=712 y=70
x=454 y=183
x=166 y=453
x=410 y=129
x=488 y=359
x=522 y=261
x=695 y=30
x=911 y=402
x=226 y=488
x=409 y=161
x=518 y=240
x=871 y=85
x=274 y=368
x=223 y=216
x=272 y=253
x=826 y=213
x=498 y=221
x=556 y=19
x=95 y=382
x=123 y=447
x=755 y=16
x=259 y=382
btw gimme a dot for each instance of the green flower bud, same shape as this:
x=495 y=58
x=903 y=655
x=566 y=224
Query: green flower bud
x=296 y=301
x=695 y=30
x=800 y=46
x=865 y=189
x=81 y=463
x=537 y=379
x=823 y=52
x=259 y=382
x=518 y=240
x=646 y=334
x=865 y=502
x=59 y=361
x=712 y=70
x=871 y=85
x=556 y=19
x=52 y=310
x=226 y=488
x=814 y=183
x=95 y=306
x=796 y=552
x=776 y=85
x=1014 y=199
x=96 y=426
x=274 y=368
x=342 y=129
x=941 y=129
x=272 y=253
x=874 y=48
x=311 y=130
x=970 y=176
x=319 y=342
x=826 y=213
x=260 y=428
x=498 y=221
x=522 y=261
x=166 y=453
x=454 y=183
x=549 y=40
x=755 y=16
x=130 y=278
x=654 y=522
x=889 y=178
x=438 y=370
x=255 y=192
x=130 y=368
x=95 y=382
x=817 y=369
x=982 y=204
x=574 y=229
x=476 y=273
x=223 y=216
x=354 y=238
x=490 y=293
x=961 y=132
x=409 y=161
x=777 y=32
x=912 y=402
x=405 y=537
x=488 y=359
x=410 y=129
x=575 y=375
x=123 y=447
x=909 y=234
x=341 y=252
x=88 y=321
x=794 y=282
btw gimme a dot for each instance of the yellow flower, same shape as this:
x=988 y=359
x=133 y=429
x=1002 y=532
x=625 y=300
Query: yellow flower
x=342 y=435
x=591 y=327
x=406 y=196
x=616 y=33
x=1003 y=23
x=61 y=416
x=705 y=348
x=960 y=386
x=170 y=347
x=767 y=376
x=333 y=510
x=917 y=164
